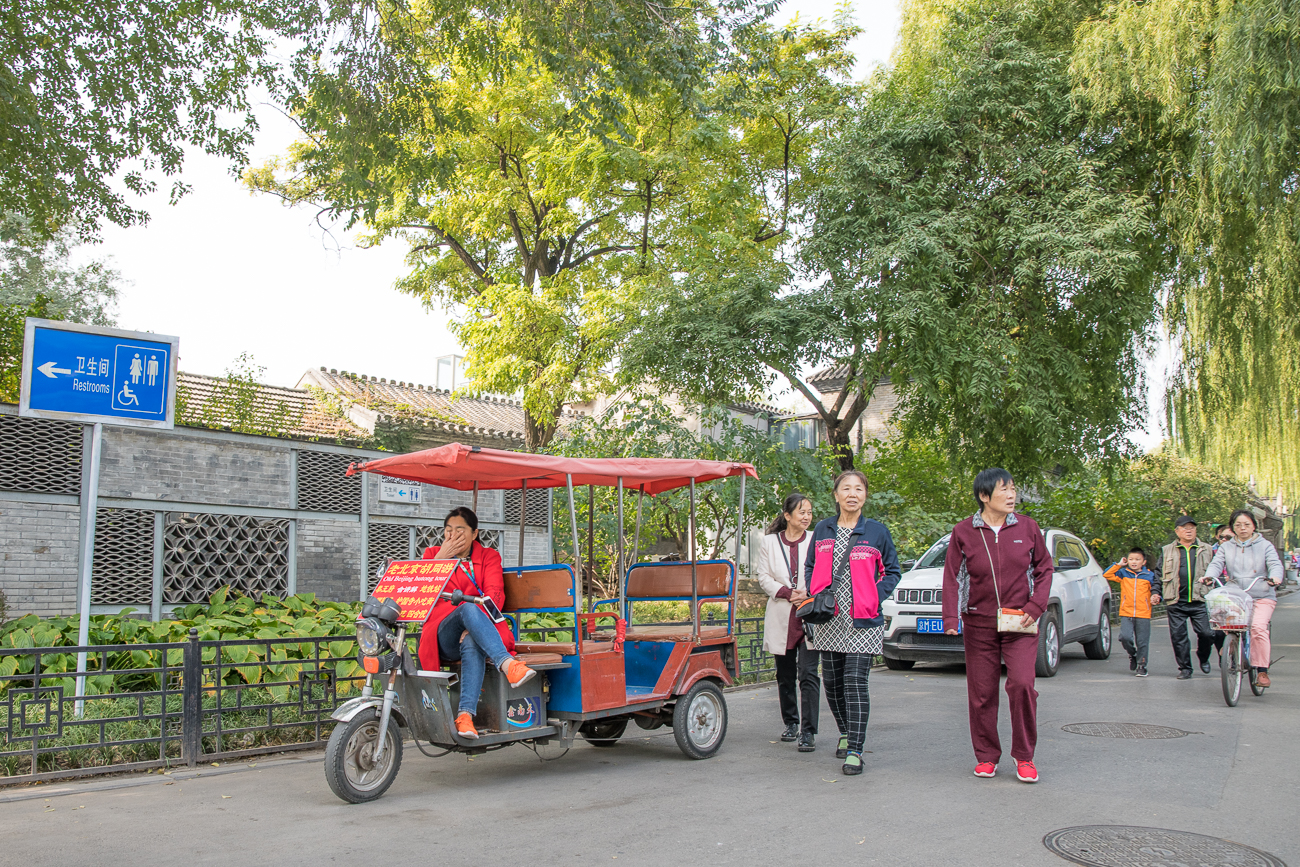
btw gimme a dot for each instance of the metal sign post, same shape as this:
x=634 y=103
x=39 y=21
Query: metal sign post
x=97 y=376
x=87 y=561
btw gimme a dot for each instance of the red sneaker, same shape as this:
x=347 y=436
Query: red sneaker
x=465 y=726
x=985 y=769
x=516 y=672
x=1026 y=772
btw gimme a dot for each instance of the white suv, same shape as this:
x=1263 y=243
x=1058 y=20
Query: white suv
x=1079 y=609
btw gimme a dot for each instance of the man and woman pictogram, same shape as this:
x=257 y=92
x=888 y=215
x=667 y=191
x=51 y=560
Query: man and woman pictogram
x=143 y=372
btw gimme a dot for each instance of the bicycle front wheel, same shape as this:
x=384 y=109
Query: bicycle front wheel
x=1230 y=670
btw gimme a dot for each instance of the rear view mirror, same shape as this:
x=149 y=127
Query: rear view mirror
x=1067 y=564
x=906 y=565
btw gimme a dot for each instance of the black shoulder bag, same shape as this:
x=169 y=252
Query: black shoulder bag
x=819 y=608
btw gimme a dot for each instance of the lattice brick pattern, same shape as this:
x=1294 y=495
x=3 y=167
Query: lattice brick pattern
x=387 y=542
x=122 y=573
x=538 y=513
x=202 y=553
x=323 y=485
x=40 y=455
x=427 y=537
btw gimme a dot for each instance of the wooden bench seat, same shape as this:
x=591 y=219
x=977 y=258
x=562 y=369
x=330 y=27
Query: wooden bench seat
x=535 y=659
x=672 y=633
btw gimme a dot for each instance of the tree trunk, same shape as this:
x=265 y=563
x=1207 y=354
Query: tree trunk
x=837 y=436
x=538 y=432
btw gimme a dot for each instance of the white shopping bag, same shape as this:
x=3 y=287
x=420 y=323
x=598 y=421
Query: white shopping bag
x=1229 y=606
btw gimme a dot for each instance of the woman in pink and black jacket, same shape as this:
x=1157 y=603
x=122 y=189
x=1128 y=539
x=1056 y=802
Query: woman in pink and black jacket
x=856 y=558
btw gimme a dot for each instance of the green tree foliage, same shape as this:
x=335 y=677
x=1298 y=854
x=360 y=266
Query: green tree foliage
x=914 y=492
x=542 y=224
x=1115 y=508
x=38 y=279
x=1211 y=91
x=647 y=427
x=238 y=403
x=970 y=240
x=1002 y=255
x=727 y=323
x=97 y=98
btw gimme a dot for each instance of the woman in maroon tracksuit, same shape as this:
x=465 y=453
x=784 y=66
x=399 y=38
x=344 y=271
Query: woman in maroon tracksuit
x=997 y=554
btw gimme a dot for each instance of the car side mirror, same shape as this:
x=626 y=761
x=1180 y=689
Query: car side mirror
x=906 y=565
x=1068 y=564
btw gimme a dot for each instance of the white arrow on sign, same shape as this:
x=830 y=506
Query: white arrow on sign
x=50 y=370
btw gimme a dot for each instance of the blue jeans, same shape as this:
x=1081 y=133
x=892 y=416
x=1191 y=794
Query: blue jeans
x=481 y=644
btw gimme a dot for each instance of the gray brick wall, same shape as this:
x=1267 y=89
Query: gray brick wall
x=536 y=548
x=329 y=559
x=38 y=558
x=154 y=465
x=154 y=470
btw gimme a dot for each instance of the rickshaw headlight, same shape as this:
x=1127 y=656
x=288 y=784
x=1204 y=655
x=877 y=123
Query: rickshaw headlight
x=372 y=636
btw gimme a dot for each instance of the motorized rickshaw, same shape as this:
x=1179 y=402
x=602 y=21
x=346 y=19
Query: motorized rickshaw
x=610 y=673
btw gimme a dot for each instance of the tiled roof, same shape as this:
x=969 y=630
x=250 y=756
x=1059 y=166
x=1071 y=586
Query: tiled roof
x=293 y=412
x=830 y=380
x=489 y=417
x=754 y=408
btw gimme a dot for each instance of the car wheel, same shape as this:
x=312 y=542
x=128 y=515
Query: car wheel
x=899 y=664
x=1099 y=647
x=1049 y=645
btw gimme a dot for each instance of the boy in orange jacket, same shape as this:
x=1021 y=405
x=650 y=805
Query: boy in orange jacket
x=1138 y=591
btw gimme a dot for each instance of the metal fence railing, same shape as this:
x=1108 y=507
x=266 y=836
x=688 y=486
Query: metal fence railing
x=158 y=705
x=155 y=705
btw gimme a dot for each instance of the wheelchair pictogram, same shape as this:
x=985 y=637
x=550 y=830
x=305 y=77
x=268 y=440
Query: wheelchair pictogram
x=126 y=397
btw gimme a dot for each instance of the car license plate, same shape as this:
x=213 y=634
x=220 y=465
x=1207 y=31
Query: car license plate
x=932 y=624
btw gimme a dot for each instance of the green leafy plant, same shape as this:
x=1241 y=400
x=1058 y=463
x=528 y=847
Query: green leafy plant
x=223 y=619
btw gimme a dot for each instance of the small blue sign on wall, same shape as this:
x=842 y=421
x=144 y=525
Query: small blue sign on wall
x=86 y=373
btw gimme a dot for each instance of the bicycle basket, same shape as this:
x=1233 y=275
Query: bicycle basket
x=1229 y=607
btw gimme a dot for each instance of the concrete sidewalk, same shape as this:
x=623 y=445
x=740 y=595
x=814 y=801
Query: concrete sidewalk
x=757 y=802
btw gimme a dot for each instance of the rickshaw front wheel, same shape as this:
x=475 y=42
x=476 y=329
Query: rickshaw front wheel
x=700 y=720
x=350 y=766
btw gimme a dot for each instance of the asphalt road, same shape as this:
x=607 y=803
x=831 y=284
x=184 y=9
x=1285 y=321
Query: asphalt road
x=756 y=802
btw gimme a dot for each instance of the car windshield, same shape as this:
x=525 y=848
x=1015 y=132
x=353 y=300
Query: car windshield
x=933 y=559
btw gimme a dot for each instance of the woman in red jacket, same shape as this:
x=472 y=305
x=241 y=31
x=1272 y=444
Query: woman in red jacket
x=465 y=633
x=997 y=558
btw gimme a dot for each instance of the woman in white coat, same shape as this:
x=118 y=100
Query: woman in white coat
x=780 y=574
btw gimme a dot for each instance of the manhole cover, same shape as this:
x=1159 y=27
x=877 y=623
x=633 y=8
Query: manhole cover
x=1121 y=846
x=1131 y=731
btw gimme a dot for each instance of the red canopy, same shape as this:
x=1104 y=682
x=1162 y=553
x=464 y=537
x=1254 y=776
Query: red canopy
x=459 y=466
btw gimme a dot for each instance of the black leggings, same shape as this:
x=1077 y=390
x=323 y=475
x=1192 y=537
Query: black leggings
x=844 y=675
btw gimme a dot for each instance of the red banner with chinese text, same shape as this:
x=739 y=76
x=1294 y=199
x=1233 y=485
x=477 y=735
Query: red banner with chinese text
x=414 y=585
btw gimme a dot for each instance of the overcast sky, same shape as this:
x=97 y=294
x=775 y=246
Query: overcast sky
x=229 y=272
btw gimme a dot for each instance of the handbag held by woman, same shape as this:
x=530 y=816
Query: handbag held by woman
x=1009 y=619
x=817 y=609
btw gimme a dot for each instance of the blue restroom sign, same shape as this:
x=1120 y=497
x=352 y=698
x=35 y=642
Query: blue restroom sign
x=86 y=373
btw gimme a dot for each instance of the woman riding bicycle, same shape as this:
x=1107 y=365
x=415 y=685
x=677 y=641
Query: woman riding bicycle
x=1252 y=563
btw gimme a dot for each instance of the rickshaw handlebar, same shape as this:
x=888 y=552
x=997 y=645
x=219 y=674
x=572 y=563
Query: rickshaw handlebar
x=459 y=596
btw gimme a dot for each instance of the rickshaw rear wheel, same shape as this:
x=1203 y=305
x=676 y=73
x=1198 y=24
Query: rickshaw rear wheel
x=700 y=720
x=603 y=732
x=350 y=768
